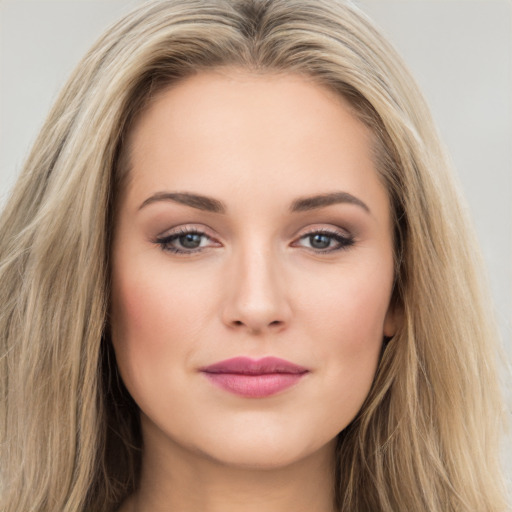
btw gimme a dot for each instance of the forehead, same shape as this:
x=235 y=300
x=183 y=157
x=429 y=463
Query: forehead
x=279 y=132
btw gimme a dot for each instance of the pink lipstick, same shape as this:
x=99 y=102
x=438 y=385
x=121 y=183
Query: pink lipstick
x=254 y=378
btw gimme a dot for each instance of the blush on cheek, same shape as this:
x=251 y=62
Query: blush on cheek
x=137 y=291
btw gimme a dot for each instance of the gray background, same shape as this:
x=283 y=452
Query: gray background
x=460 y=52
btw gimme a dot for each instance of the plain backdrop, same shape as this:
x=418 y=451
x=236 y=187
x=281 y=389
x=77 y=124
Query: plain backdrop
x=460 y=52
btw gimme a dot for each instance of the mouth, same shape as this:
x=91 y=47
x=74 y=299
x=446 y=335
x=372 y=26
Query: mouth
x=252 y=378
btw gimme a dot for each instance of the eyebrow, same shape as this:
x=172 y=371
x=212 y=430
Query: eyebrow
x=322 y=200
x=210 y=204
x=200 y=202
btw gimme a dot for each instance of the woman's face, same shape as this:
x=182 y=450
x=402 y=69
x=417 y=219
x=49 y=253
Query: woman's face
x=253 y=226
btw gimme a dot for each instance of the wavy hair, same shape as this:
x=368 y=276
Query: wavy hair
x=426 y=438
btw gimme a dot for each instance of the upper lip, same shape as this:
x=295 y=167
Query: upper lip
x=248 y=366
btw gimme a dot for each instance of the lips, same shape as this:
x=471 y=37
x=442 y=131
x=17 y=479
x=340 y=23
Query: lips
x=254 y=378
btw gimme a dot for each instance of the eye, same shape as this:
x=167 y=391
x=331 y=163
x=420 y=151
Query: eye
x=186 y=241
x=325 y=241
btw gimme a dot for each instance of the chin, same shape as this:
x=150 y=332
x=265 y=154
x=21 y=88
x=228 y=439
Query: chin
x=265 y=450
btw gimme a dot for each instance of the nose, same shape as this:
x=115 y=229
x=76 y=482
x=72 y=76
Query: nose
x=256 y=299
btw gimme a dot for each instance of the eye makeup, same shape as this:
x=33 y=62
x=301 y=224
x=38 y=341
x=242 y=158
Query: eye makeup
x=191 y=240
x=186 y=240
x=325 y=241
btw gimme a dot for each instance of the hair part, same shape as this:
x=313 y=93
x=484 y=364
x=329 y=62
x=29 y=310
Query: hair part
x=426 y=438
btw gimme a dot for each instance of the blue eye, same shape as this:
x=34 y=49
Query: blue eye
x=191 y=241
x=184 y=242
x=320 y=241
x=325 y=241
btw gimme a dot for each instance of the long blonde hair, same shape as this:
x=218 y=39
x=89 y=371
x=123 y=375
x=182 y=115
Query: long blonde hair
x=426 y=438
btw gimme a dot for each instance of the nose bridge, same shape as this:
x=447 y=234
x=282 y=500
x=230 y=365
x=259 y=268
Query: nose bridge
x=257 y=298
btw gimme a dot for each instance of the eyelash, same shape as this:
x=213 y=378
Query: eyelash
x=343 y=241
x=165 y=243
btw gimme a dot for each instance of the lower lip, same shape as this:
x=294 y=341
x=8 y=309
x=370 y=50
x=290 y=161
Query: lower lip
x=254 y=386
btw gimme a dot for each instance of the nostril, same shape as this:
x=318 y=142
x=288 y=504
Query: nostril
x=274 y=323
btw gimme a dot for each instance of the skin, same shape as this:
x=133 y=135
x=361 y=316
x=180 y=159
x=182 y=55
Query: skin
x=258 y=285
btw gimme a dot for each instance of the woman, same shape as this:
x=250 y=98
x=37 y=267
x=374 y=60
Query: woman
x=235 y=273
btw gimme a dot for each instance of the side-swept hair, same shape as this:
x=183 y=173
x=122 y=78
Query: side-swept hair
x=426 y=438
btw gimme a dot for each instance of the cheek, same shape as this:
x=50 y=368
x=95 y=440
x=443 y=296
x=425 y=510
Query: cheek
x=137 y=312
x=346 y=320
x=349 y=307
x=149 y=304
x=133 y=341
x=152 y=323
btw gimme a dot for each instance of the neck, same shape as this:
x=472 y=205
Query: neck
x=174 y=479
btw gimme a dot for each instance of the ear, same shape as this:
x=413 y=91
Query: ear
x=392 y=321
